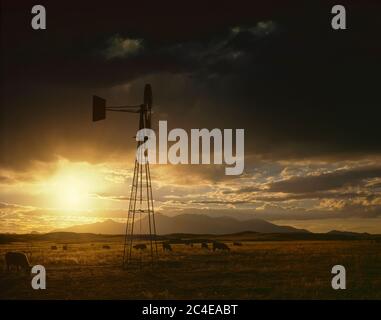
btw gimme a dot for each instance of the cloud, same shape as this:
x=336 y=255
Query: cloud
x=225 y=53
x=328 y=181
x=5 y=205
x=106 y=196
x=316 y=195
x=248 y=189
x=259 y=75
x=123 y=47
x=6 y=180
x=20 y=219
x=262 y=28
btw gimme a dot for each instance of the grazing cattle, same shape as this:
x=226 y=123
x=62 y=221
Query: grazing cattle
x=140 y=246
x=167 y=247
x=204 y=245
x=53 y=247
x=17 y=259
x=106 y=247
x=64 y=247
x=220 y=246
x=237 y=243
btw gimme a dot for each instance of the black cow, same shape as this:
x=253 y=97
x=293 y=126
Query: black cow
x=204 y=245
x=17 y=259
x=220 y=246
x=167 y=247
x=140 y=246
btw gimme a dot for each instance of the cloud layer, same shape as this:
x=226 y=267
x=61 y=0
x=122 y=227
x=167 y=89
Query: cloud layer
x=307 y=97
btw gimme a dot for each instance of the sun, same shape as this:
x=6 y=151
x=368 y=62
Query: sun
x=72 y=193
x=72 y=186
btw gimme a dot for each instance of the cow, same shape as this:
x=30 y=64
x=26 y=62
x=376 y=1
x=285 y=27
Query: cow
x=204 y=245
x=189 y=243
x=167 y=247
x=64 y=247
x=106 y=247
x=17 y=259
x=220 y=246
x=53 y=247
x=140 y=246
x=237 y=243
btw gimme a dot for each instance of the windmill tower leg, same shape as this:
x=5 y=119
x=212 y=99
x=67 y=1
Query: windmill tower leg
x=141 y=217
x=151 y=214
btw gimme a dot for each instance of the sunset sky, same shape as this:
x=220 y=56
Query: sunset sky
x=307 y=96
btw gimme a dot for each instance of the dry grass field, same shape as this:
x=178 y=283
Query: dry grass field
x=298 y=269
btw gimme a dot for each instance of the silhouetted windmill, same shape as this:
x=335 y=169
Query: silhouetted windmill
x=141 y=201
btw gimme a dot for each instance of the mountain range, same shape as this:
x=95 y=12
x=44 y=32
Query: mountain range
x=185 y=223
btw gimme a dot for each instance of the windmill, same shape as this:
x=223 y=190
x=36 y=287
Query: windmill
x=141 y=209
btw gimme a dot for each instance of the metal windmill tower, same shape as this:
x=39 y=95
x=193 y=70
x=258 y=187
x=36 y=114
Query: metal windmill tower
x=141 y=209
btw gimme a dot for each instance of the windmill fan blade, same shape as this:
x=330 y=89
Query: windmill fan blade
x=148 y=96
x=99 y=108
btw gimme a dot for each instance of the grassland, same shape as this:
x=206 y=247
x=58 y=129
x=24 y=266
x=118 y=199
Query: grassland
x=259 y=269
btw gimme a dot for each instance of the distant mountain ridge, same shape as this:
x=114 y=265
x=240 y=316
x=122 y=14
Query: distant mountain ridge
x=347 y=233
x=186 y=223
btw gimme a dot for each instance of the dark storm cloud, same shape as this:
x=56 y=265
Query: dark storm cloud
x=224 y=53
x=300 y=89
x=319 y=195
x=329 y=181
